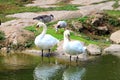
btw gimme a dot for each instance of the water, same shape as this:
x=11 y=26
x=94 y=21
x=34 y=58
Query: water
x=104 y=68
x=26 y=67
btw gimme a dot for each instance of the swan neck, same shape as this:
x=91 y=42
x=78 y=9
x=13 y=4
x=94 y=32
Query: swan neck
x=66 y=39
x=44 y=30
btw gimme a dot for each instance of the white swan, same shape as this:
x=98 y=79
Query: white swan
x=72 y=47
x=60 y=24
x=45 y=41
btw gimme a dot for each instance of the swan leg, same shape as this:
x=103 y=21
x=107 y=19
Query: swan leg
x=70 y=58
x=42 y=55
x=77 y=59
x=49 y=55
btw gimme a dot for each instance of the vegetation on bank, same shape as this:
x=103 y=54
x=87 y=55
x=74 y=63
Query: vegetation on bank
x=114 y=16
x=2 y=35
x=74 y=35
x=17 y=6
x=116 y=4
x=111 y=21
x=113 y=13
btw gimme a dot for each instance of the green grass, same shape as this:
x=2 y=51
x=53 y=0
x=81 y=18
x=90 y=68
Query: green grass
x=38 y=9
x=2 y=35
x=114 y=13
x=101 y=2
x=116 y=4
x=17 y=6
x=113 y=17
x=4 y=19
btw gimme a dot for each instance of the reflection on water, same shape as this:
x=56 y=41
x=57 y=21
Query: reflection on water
x=103 y=68
x=17 y=67
x=58 y=72
x=17 y=61
x=73 y=73
x=48 y=72
x=24 y=67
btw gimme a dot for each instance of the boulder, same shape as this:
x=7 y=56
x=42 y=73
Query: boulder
x=102 y=30
x=115 y=37
x=93 y=49
x=17 y=38
x=77 y=26
x=112 y=49
x=97 y=20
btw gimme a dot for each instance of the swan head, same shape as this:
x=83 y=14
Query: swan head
x=67 y=34
x=40 y=24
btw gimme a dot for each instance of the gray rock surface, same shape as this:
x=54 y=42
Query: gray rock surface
x=112 y=49
x=93 y=49
x=115 y=37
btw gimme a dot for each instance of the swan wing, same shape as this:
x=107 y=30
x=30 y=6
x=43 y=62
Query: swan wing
x=46 y=42
x=50 y=39
x=76 y=47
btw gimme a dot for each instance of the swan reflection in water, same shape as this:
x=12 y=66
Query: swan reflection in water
x=74 y=73
x=58 y=72
x=48 y=72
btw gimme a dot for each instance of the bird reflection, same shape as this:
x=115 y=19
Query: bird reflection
x=74 y=73
x=58 y=72
x=48 y=72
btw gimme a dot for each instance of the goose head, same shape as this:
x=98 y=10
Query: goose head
x=52 y=17
x=56 y=27
x=67 y=35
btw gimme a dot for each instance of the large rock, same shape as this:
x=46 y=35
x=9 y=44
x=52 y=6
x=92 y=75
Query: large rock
x=97 y=20
x=17 y=36
x=112 y=49
x=93 y=49
x=15 y=33
x=115 y=37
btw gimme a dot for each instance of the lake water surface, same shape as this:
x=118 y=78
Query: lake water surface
x=27 y=67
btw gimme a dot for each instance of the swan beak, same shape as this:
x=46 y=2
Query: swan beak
x=69 y=37
x=37 y=27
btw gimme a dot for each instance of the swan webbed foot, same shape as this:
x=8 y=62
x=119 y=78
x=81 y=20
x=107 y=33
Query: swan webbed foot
x=48 y=54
